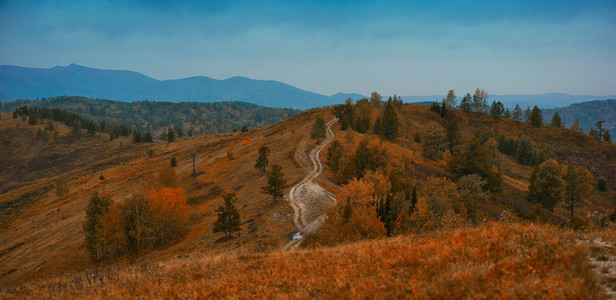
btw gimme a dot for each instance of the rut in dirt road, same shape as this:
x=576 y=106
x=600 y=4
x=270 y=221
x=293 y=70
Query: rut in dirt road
x=308 y=199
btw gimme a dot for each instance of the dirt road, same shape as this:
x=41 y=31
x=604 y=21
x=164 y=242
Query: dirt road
x=308 y=199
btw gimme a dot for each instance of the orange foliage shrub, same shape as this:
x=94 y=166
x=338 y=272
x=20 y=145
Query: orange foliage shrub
x=169 y=211
x=246 y=141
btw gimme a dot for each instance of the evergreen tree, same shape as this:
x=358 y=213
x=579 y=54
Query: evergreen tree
x=602 y=184
x=174 y=162
x=389 y=122
x=98 y=206
x=275 y=182
x=592 y=132
x=507 y=114
x=477 y=158
x=450 y=99
x=556 y=121
x=334 y=154
x=190 y=131
x=262 y=160
x=536 y=118
x=318 y=129
x=228 y=216
x=443 y=109
x=76 y=131
x=546 y=185
x=600 y=131
x=136 y=218
x=496 y=109
x=147 y=137
x=163 y=135
x=170 y=135
x=517 y=113
x=137 y=137
x=180 y=132
x=606 y=136
x=527 y=113
x=465 y=104
x=244 y=129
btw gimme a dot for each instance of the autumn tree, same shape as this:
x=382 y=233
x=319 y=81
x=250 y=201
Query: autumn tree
x=262 y=160
x=136 y=218
x=517 y=113
x=369 y=155
x=480 y=100
x=536 y=117
x=556 y=121
x=450 y=99
x=576 y=125
x=334 y=154
x=170 y=213
x=470 y=196
x=167 y=177
x=477 y=158
x=465 y=103
x=388 y=122
x=546 y=185
x=578 y=182
x=361 y=116
x=275 y=182
x=318 y=129
x=434 y=142
x=110 y=238
x=98 y=206
x=375 y=98
x=228 y=220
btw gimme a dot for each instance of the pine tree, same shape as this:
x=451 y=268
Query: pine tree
x=517 y=113
x=527 y=113
x=244 y=129
x=496 y=109
x=98 y=206
x=607 y=137
x=170 y=135
x=275 y=182
x=546 y=185
x=507 y=114
x=443 y=108
x=536 y=118
x=180 y=132
x=592 y=132
x=389 y=122
x=465 y=104
x=228 y=220
x=556 y=121
x=262 y=160
x=147 y=137
x=137 y=137
x=334 y=154
x=174 y=162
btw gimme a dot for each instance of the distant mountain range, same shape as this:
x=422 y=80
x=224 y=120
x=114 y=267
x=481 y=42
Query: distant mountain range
x=588 y=113
x=74 y=80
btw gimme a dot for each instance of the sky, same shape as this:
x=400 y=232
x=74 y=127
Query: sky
x=393 y=47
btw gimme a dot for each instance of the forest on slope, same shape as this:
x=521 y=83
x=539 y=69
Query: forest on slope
x=152 y=116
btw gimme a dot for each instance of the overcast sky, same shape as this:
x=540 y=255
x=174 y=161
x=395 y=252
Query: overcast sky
x=402 y=47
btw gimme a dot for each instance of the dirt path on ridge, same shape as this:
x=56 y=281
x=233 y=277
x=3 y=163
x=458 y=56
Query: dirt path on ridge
x=308 y=199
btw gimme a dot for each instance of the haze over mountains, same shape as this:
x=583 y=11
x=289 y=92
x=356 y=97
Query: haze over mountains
x=31 y=83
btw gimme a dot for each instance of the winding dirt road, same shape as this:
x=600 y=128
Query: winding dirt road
x=308 y=199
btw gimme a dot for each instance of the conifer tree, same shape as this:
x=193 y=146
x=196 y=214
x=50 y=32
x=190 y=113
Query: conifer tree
x=536 y=118
x=507 y=114
x=465 y=103
x=262 y=160
x=517 y=113
x=389 y=122
x=228 y=220
x=556 y=121
x=434 y=142
x=334 y=154
x=527 y=113
x=147 y=137
x=606 y=136
x=318 y=129
x=180 y=132
x=170 y=135
x=174 y=162
x=137 y=137
x=275 y=182
x=496 y=109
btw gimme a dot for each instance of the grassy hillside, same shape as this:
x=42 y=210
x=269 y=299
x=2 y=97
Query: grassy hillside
x=43 y=243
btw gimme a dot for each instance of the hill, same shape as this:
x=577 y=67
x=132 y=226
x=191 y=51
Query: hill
x=196 y=117
x=488 y=244
x=543 y=101
x=34 y=83
x=588 y=113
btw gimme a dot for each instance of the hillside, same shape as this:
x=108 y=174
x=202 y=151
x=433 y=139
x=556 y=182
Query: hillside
x=197 y=117
x=543 y=101
x=588 y=113
x=43 y=243
x=33 y=83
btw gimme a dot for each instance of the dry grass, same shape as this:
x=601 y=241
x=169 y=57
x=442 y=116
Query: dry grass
x=492 y=261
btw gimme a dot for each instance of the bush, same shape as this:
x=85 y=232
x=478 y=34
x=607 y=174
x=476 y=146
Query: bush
x=579 y=224
x=602 y=184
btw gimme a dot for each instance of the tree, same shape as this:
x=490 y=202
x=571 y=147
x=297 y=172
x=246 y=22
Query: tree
x=167 y=177
x=190 y=131
x=470 y=197
x=465 y=104
x=137 y=137
x=546 y=185
x=443 y=109
x=477 y=158
x=389 y=122
x=318 y=129
x=262 y=160
x=607 y=137
x=244 y=129
x=170 y=135
x=578 y=182
x=496 y=109
x=110 y=238
x=228 y=220
x=147 y=137
x=97 y=207
x=180 y=132
x=507 y=114
x=375 y=98
x=602 y=184
x=600 y=130
x=556 y=121
x=163 y=135
x=592 y=132
x=334 y=154
x=527 y=113
x=517 y=113
x=536 y=117
x=480 y=100
x=136 y=218
x=576 y=125
x=76 y=131
x=174 y=162
x=434 y=142
x=450 y=99
x=275 y=182
x=170 y=213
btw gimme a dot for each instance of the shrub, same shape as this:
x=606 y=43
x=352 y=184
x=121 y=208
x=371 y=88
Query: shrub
x=602 y=184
